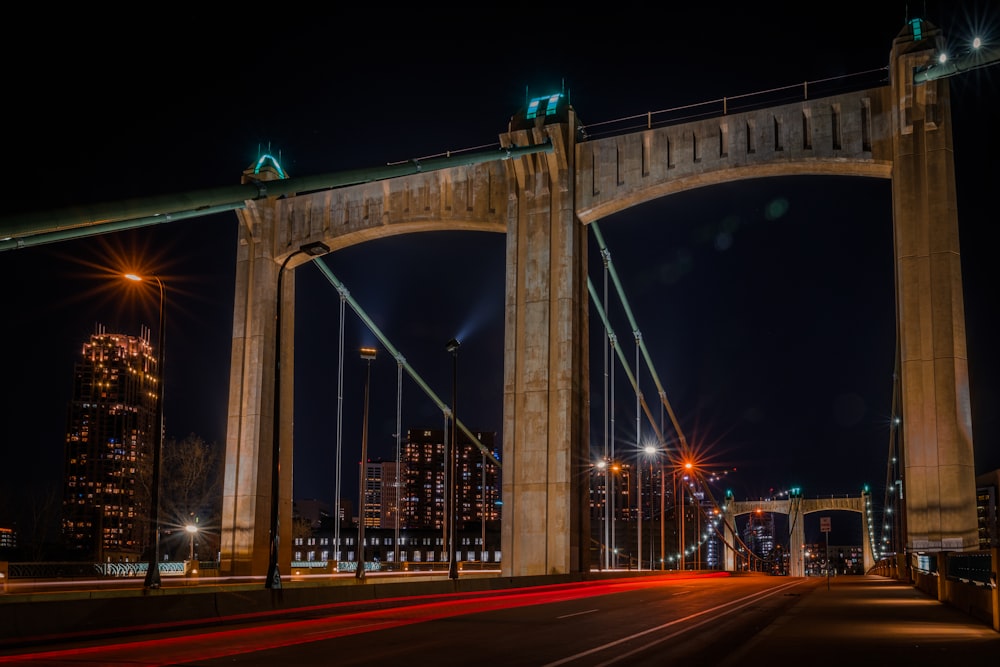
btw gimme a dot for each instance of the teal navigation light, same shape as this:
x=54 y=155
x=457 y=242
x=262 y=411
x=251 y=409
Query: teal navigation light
x=543 y=106
x=271 y=161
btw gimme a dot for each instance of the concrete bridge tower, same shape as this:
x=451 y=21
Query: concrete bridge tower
x=939 y=468
x=546 y=520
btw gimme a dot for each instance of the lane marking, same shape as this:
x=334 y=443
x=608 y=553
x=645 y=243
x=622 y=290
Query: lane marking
x=729 y=607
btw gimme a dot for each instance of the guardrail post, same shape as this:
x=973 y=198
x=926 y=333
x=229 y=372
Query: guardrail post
x=942 y=576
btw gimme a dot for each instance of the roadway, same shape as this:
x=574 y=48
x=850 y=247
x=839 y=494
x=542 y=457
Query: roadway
x=684 y=618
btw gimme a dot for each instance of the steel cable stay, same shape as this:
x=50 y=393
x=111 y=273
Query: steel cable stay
x=621 y=357
x=400 y=359
x=609 y=330
x=642 y=345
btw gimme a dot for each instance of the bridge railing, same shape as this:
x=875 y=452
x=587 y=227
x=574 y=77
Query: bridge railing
x=966 y=580
x=973 y=567
x=745 y=102
x=87 y=570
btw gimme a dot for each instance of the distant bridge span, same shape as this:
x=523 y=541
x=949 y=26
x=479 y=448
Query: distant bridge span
x=543 y=202
x=796 y=507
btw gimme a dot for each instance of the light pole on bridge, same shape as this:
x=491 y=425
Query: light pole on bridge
x=368 y=354
x=152 y=579
x=450 y=505
x=273 y=579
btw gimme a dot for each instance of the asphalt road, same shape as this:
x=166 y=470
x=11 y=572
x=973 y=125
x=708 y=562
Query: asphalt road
x=637 y=621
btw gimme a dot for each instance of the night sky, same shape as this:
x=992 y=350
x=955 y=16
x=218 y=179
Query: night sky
x=767 y=306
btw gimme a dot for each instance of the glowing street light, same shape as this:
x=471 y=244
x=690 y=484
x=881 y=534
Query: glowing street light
x=152 y=579
x=681 y=514
x=651 y=452
x=192 y=530
x=602 y=465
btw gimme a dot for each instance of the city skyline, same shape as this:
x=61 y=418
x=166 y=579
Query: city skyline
x=783 y=374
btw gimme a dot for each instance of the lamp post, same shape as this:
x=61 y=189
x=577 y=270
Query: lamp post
x=191 y=529
x=638 y=511
x=663 y=517
x=273 y=579
x=152 y=579
x=622 y=470
x=603 y=466
x=452 y=346
x=681 y=516
x=651 y=452
x=368 y=354
x=482 y=515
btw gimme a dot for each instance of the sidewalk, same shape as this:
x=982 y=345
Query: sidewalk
x=872 y=620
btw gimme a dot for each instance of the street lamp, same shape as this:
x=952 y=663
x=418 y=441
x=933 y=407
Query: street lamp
x=152 y=579
x=622 y=469
x=682 y=516
x=638 y=510
x=651 y=453
x=368 y=354
x=482 y=515
x=192 y=529
x=602 y=465
x=273 y=579
x=452 y=346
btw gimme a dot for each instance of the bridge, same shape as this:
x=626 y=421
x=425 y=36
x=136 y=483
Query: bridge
x=551 y=182
x=795 y=507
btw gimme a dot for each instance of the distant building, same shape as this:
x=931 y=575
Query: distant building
x=391 y=508
x=835 y=559
x=418 y=507
x=477 y=480
x=8 y=538
x=759 y=533
x=987 y=487
x=418 y=548
x=372 y=507
x=108 y=449
x=670 y=503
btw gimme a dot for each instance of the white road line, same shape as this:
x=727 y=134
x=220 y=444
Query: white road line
x=579 y=613
x=729 y=607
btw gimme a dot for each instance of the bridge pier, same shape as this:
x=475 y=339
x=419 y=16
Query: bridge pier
x=546 y=447
x=939 y=482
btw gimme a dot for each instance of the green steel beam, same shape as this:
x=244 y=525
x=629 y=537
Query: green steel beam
x=23 y=230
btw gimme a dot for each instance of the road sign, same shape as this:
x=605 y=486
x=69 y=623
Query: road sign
x=824 y=524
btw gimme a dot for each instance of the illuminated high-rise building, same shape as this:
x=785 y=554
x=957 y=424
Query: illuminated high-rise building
x=372 y=508
x=108 y=449
x=759 y=533
x=390 y=505
x=477 y=480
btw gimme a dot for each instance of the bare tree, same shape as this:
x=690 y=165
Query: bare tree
x=301 y=529
x=34 y=515
x=42 y=528
x=191 y=494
